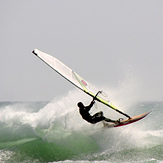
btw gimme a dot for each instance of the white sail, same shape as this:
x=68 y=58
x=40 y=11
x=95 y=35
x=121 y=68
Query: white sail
x=74 y=78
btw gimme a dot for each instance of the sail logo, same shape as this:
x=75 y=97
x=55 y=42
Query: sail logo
x=83 y=82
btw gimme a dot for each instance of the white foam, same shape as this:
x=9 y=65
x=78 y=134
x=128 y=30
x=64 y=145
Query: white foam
x=61 y=117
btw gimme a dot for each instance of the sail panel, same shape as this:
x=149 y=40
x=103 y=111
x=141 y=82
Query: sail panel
x=74 y=78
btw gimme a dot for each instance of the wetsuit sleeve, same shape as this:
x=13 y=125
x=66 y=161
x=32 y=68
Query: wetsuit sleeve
x=89 y=106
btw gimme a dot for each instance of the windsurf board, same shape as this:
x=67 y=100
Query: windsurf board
x=126 y=121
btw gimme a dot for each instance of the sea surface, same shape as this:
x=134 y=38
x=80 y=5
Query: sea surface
x=54 y=132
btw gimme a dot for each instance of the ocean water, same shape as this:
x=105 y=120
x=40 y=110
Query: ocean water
x=54 y=132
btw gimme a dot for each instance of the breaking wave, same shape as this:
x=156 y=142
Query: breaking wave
x=54 y=131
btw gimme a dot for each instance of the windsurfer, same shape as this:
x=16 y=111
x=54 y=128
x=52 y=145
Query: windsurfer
x=84 y=112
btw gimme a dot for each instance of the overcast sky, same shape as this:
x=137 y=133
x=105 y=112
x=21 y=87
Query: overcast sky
x=108 y=42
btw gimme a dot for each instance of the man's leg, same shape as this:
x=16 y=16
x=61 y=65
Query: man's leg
x=98 y=117
x=109 y=120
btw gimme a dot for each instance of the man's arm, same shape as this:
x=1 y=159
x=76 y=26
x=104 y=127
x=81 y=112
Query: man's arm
x=88 y=108
x=92 y=102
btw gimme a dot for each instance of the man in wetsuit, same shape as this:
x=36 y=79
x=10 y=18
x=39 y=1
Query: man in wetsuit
x=84 y=112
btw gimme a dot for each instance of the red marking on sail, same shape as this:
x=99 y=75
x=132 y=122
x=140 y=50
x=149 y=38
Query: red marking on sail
x=83 y=82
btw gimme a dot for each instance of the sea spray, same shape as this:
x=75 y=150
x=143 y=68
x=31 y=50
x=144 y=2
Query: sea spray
x=54 y=131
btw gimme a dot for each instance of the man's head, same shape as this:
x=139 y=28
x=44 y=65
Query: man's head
x=80 y=105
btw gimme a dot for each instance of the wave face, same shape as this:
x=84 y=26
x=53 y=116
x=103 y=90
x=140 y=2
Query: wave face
x=54 y=131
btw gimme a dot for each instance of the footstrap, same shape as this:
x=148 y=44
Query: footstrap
x=120 y=120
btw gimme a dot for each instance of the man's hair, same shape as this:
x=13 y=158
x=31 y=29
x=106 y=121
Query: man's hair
x=80 y=104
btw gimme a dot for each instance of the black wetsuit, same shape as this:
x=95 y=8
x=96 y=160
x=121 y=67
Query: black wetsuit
x=84 y=111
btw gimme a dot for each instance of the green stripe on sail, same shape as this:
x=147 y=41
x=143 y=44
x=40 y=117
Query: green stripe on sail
x=92 y=94
x=84 y=88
